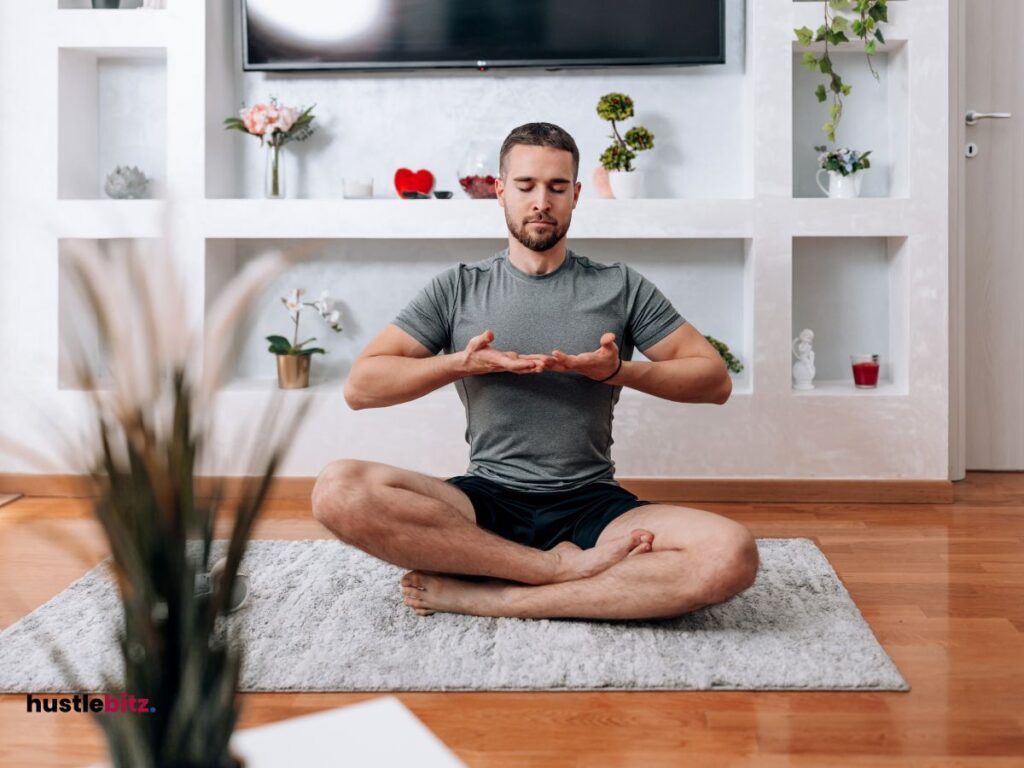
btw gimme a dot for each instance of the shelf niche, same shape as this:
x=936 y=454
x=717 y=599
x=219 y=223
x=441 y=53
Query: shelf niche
x=112 y=110
x=875 y=117
x=77 y=331
x=852 y=292
x=708 y=282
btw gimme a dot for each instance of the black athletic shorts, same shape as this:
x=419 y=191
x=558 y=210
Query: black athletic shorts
x=543 y=519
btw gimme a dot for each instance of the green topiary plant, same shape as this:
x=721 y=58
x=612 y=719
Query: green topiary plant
x=869 y=15
x=619 y=156
x=731 y=362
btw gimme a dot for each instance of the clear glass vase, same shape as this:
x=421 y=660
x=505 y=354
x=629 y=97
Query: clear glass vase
x=274 y=179
x=479 y=168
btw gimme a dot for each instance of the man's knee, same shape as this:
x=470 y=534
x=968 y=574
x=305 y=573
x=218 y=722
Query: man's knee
x=738 y=564
x=339 y=496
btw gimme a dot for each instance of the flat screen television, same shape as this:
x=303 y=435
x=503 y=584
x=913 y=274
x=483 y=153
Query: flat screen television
x=479 y=34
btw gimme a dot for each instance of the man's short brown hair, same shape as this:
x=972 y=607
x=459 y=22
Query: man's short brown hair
x=539 y=135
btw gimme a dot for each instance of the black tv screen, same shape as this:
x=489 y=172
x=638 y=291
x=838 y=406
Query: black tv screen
x=480 y=34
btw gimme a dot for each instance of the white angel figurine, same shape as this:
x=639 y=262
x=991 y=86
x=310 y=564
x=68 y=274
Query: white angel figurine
x=803 y=368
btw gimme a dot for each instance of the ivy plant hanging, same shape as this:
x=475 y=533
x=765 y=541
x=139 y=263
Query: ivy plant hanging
x=863 y=19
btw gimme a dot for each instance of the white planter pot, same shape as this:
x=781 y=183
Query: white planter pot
x=839 y=185
x=626 y=185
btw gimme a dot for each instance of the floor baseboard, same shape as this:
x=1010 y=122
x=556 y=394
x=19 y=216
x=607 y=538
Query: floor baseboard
x=675 y=490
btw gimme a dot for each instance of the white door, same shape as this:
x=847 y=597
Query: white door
x=993 y=236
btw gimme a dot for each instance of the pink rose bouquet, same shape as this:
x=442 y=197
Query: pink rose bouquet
x=273 y=122
x=276 y=125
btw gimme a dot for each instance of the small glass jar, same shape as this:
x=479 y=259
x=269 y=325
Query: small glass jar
x=865 y=371
x=479 y=169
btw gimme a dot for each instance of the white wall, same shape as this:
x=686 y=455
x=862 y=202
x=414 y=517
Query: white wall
x=373 y=123
x=744 y=267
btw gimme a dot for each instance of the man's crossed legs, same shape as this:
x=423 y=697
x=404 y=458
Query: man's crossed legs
x=654 y=561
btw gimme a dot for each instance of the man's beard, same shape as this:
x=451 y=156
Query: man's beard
x=538 y=239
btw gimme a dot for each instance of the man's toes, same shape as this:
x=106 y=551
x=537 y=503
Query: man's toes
x=413 y=579
x=641 y=536
x=639 y=549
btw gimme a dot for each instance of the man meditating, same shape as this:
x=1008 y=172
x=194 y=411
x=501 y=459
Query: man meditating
x=538 y=341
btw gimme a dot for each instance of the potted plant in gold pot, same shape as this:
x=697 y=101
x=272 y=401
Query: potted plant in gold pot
x=293 y=357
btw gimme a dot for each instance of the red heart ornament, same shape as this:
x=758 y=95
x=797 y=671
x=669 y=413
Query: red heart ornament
x=407 y=181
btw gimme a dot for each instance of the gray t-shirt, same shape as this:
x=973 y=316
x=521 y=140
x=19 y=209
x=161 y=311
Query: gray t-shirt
x=545 y=431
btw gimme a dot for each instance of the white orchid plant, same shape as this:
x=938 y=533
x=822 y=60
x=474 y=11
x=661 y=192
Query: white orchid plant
x=293 y=302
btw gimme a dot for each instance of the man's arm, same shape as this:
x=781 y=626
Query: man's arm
x=684 y=368
x=395 y=368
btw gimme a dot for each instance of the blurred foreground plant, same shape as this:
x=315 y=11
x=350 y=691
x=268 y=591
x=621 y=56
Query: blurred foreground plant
x=153 y=427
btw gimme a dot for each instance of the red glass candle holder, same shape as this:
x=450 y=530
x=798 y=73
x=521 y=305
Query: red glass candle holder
x=865 y=371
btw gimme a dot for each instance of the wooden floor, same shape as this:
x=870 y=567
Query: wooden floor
x=941 y=586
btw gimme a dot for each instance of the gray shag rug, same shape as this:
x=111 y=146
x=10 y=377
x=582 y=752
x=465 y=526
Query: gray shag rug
x=323 y=616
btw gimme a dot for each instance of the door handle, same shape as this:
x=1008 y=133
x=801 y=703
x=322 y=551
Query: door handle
x=973 y=117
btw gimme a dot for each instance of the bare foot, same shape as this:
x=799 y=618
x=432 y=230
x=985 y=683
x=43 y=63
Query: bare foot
x=575 y=563
x=427 y=593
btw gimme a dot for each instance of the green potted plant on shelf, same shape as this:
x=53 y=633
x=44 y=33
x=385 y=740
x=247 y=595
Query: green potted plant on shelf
x=864 y=20
x=152 y=431
x=730 y=360
x=294 y=357
x=844 y=168
x=617 y=160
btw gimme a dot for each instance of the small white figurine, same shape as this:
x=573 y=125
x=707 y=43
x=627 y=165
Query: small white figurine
x=803 y=368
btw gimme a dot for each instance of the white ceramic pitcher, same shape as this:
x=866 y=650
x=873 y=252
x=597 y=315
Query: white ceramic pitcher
x=839 y=185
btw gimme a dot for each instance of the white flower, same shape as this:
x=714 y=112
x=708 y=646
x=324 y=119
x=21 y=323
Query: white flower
x=334 y=320
x=324 y=304
x=293 y=302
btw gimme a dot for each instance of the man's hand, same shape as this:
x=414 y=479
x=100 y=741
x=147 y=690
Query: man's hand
x=480 y=357
x=596 y=365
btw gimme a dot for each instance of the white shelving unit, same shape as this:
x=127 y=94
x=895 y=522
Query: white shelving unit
x=767 y=234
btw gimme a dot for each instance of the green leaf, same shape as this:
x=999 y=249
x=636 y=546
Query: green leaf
x=869 y=47
x=279 y=345
x=839 y=5
x=820 y=93
x=810 y=61
x=311 y=351
x=878 y=36
x=846 y=89
x=833 y=112
x=840 y=23
x=825 y=65
x=804 y=35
